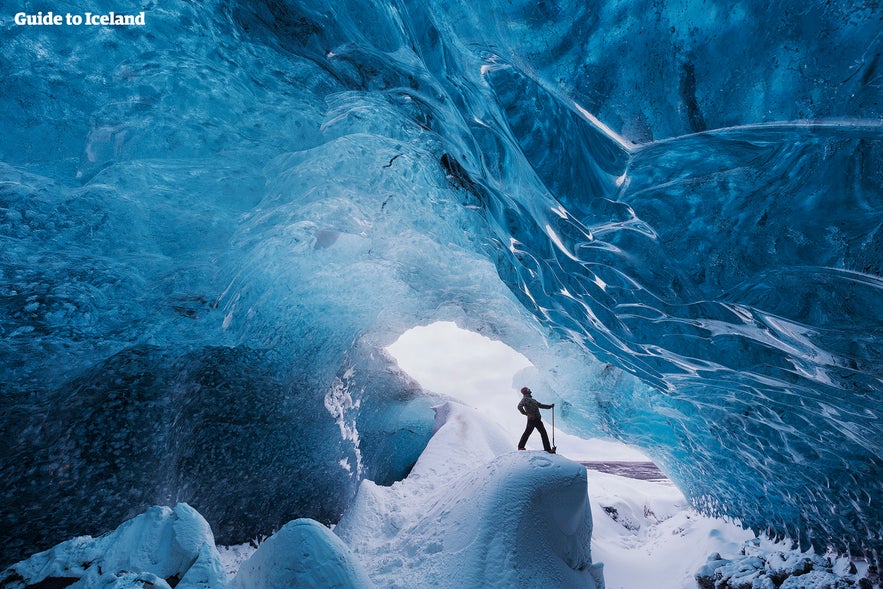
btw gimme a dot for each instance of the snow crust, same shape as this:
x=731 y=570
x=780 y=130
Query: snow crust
x=474 y=512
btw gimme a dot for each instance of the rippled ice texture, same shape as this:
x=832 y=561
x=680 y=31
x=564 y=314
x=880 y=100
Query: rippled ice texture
x=212 y=224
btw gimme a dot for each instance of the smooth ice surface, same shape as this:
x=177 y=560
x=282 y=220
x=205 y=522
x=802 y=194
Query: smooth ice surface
x=212 y=225
x=476 y=513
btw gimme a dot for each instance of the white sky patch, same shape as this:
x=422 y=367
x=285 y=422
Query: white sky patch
x=475 y=370
x=479 y=372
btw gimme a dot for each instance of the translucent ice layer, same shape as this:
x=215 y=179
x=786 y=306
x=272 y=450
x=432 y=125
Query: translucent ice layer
x=211 y=224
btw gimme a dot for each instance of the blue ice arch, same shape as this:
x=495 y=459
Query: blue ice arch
x=212 y=224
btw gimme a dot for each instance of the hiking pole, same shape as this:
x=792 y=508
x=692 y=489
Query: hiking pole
x=554 y=447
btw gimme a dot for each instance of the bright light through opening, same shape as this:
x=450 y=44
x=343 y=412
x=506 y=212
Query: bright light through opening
x=479 y=372
x=464 y=365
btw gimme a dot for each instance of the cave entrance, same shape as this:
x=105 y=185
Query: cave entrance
x=466 y=366
x=480 y=372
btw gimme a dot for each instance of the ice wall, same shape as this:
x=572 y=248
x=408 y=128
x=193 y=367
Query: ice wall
x=653 y=70
x=212 y=224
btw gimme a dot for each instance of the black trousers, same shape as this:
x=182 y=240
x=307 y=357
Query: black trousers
x=537 y=424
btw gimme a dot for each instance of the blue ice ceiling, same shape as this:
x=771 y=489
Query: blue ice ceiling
x=212 y=224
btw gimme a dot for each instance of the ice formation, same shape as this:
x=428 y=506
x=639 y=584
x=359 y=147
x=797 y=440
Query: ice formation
x=161 y=548
x=212 y=224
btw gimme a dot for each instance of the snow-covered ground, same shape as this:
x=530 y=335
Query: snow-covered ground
x=473 y=513
x=644 y=533
x=647 y=536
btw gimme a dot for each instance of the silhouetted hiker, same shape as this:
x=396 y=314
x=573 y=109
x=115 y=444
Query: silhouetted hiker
x=531 y=407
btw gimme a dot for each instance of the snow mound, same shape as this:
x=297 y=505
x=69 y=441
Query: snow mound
x=475 y=513
x=162 y=547
x=303 y=554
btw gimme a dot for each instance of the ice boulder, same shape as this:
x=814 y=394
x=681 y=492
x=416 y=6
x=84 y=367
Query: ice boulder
x=774 y=566
x=303 y=554
x=162 y=547
x=474 y=512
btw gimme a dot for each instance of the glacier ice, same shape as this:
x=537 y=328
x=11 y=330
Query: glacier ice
x=211 y=226
x=759 y=566
x=151 y=426
x=162 y=547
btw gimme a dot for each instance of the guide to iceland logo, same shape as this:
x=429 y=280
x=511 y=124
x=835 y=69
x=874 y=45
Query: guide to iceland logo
x=55 y=19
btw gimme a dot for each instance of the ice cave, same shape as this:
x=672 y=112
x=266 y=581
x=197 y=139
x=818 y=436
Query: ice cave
x=213 y=225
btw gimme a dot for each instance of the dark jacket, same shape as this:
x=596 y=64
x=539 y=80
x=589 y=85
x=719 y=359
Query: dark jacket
x=531 y=407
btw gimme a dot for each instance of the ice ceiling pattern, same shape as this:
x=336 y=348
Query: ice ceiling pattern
x=212 y=223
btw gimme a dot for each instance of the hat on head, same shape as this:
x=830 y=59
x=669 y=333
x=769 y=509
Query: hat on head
x=525 y=390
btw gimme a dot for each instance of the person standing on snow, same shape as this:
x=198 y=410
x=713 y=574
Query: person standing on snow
x=531 y=408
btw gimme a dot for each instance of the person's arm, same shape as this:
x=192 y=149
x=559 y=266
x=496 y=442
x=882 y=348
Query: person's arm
x=544 y=406
x=521 y=408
